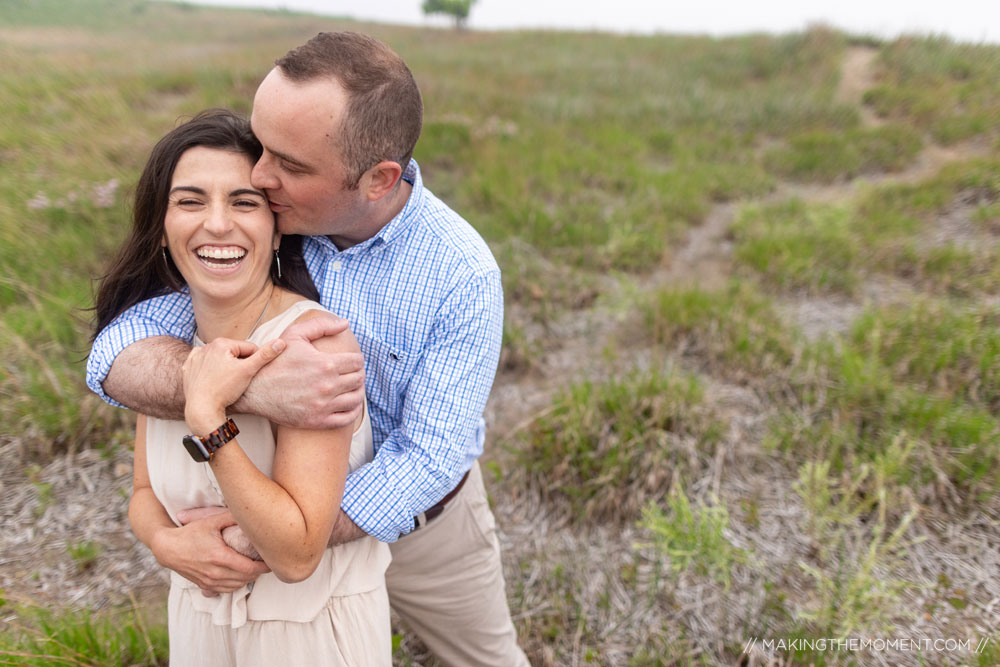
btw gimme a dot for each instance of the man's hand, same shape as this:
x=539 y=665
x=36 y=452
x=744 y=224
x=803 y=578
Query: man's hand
x=217 y=374
x=197 y=552
x=306 y=388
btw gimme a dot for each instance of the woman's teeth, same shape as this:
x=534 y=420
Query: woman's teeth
x=221 y=256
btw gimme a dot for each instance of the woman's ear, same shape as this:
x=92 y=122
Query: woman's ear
x=277 y=240
x=163 y=241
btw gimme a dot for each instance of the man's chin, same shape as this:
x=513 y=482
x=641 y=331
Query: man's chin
x=287 y=224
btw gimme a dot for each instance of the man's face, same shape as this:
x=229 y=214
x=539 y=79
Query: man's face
x=300 y=169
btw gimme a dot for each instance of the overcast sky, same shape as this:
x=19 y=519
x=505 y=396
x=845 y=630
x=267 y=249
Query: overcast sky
x=963 y=20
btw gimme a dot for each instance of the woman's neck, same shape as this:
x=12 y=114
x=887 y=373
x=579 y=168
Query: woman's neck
x=233 y=318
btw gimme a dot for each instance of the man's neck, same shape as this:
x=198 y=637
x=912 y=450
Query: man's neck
x=385 y=212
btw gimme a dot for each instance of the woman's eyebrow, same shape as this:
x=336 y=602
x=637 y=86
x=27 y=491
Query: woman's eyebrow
x=188 y=188
x=247 y=191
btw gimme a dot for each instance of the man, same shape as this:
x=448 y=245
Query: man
x=339 y=118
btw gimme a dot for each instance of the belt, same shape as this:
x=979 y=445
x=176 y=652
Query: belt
x=435 y=512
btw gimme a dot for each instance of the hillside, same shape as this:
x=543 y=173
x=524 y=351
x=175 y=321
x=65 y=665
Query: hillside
x=751 y=370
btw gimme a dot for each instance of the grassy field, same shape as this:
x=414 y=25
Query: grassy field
x=751 y=373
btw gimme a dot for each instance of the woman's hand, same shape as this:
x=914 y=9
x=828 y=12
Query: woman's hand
x=217 y=374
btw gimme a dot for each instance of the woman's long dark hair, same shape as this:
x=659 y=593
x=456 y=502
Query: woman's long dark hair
x=140 y=271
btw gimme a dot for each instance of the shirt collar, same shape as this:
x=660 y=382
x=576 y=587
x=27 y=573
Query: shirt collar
x=405 y=218
x=398 y=225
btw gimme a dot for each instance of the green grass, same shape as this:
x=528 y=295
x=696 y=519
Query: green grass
x=920 y=380
x=606 y=448
x=829 y=156
x=937 y=349
x=900 y=226
x=939 y=86
x=793 y=246
x=939 y=235
x=861 y=410
x=37 y=636
x=735 y=333
x=692 y=537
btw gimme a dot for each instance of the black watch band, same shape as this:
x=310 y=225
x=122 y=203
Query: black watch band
x=203 y=448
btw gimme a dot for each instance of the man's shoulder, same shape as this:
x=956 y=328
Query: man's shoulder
x=447 y=237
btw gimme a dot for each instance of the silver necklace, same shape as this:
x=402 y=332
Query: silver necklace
x=266 y=304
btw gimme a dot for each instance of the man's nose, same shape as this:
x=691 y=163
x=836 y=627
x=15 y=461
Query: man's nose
x=262 y=175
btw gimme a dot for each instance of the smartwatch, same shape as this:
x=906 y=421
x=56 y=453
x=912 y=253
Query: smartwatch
x=203 y=448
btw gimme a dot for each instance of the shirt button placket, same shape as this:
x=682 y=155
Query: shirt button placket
x=337 y=283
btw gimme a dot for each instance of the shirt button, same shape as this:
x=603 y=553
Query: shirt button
x=337 y=265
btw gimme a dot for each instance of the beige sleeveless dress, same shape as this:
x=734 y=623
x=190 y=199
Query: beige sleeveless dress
x=339 y=615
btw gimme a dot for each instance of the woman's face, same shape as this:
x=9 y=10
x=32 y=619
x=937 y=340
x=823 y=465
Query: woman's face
x=218 y=228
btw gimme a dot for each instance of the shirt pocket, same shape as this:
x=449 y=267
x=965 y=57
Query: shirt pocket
x=388 y=370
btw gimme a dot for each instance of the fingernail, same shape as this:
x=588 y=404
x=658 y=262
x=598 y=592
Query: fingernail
x=278 y=345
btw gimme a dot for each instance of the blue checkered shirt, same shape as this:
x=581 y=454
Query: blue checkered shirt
x=424 y=299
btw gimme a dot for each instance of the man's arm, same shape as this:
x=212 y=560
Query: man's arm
x=423 y=458
x=136 y=362
x=305 y=388
x=168 y=316
x=345 y=530
x=146 y=376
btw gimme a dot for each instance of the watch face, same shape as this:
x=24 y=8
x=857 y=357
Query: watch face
x=196 y=449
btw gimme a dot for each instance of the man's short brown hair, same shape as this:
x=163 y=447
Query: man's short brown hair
x=384 y=110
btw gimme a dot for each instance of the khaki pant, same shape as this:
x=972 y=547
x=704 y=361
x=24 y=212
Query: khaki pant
x=446 y=582
x=352 y=631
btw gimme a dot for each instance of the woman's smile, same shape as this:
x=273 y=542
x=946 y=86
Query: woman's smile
x=221 y=257
x=218 y=228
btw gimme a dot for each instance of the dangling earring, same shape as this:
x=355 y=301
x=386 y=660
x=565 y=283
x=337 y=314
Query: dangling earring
x=278 y=260
x=163 y=251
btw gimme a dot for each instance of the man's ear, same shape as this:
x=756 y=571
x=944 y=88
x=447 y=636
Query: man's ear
x=381 y=179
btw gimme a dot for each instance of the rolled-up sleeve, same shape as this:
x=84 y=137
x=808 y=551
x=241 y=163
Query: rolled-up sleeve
x=169 y=315
x=423 y=457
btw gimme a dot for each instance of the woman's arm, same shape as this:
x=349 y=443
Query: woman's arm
x=288 y=518
x=196 y=551
x=145 y=513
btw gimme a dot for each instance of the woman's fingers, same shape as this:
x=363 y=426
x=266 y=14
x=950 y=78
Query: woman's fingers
x=216 y=375
x=264 y=355
x=238 y=348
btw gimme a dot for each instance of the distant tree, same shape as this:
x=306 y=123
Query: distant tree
x=458 y=9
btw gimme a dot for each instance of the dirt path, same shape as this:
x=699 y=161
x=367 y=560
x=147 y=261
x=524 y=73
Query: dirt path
x=856 y=76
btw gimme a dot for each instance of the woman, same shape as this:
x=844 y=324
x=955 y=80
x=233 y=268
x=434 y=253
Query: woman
x=199 y=225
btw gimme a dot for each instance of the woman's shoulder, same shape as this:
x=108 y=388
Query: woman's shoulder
x=297 y=309
x=288 y=308
x=300 y=308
